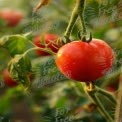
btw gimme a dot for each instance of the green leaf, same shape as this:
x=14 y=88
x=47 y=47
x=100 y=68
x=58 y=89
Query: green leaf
x=15 y=44
x=19 y=68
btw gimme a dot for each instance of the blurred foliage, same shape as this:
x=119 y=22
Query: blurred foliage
x=52 y=96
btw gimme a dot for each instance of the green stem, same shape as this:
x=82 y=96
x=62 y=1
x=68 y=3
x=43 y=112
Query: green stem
x=100 y=106
x=77 y=11
x=38 y=48
x=94 y=98
x=81 y=14
x=71 y=24
x=118 y=111
x=83 y=24
x=107 y=94
x=32 y=44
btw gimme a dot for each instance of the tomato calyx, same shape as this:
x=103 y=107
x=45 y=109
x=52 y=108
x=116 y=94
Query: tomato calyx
x=47 y=44
x=90 y=86
x=67 y=39
x=84 y=38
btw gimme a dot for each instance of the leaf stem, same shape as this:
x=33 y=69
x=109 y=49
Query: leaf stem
x=83 y=24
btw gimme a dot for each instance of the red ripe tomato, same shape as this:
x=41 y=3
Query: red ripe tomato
x=11 y=17
x=8 y=80
x=84 y=61
x=47 y=39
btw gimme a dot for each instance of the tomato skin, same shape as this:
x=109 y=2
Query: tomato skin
x=47 y=38
x=84 y=61
x=8 y=80
x=11 y=16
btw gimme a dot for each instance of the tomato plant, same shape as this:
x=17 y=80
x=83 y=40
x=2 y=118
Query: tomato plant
x=12 y=17
x=90 y=61
x=49 y=40
x=46 y=52
x=8 y=80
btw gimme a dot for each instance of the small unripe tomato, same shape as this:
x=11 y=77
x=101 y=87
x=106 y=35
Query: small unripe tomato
x=8 y=80
x=48 y=38
x=84 y=61
x=12 y=17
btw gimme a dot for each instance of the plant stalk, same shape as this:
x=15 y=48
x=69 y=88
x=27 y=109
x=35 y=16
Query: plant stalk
x=100 y=107
x=92 y=94
x=107 y=94
x=77 y=11
x=38 y=48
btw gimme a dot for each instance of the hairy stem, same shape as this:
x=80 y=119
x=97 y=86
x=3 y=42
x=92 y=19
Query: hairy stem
x=38 y=48
x=107 y=94
x=118 y=112
x=81 y=6
x=91 y=92
x=77 y=11
x=100 y=107
x=71 y=24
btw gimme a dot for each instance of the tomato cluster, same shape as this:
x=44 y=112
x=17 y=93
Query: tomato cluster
x=83 y=61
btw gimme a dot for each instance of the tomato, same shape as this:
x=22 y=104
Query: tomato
x=84 y=61
x=47 y=39
x=110 y=89
x=12 y=17
x=8 y=80
x=113 y=86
